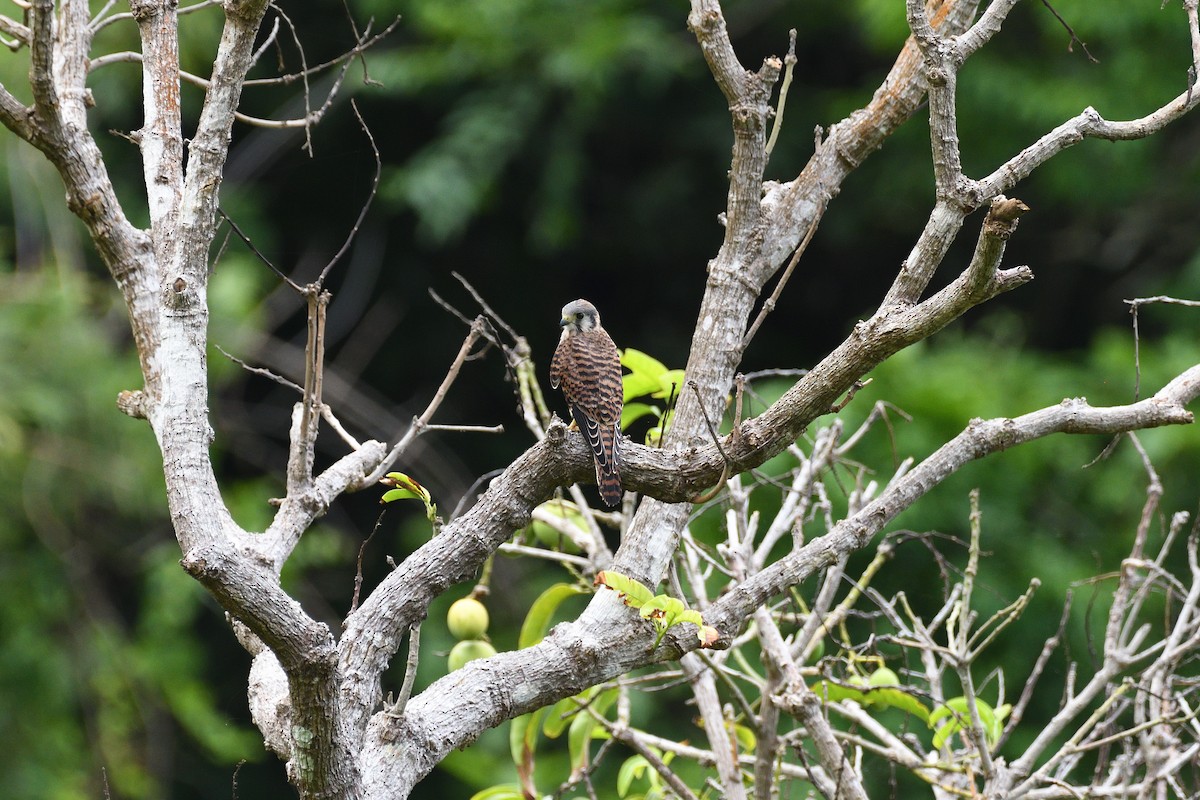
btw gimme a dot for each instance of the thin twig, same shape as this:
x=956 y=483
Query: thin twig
x=266 y=373
x=358 y=572
x=712 y=431
x=486 y=308
x=258 y=253
x=336 y=424
x=1134 y=305
x=419 y=423
x=279 y=13
x=362 y=212
x=630 y=738
x=466 y=428
x=410 y=671
x=367 y=79
x=789 y=63
x=1071 y=33
x=769 y=304
x=548 y=555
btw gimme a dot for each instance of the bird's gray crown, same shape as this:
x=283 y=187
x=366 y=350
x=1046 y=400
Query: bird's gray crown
x=580 y=315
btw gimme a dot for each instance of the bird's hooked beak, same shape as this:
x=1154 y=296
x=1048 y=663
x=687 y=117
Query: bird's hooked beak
x=564 y=322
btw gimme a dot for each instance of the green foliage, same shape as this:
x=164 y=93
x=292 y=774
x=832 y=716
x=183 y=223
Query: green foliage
x=406 y=488
x=882 y=690
x=872 y=696
x=505 y=791
x=947 y=719
x=637 y=768
x=520 y=71
x=648 y=376
x=956 y=714
x=568 y=714
x=524 y=730
x=101 y=638
x=537 y=621
x=661 y=609
x=98 y=624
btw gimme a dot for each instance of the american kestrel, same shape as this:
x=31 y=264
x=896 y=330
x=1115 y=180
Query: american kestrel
x=588 y=366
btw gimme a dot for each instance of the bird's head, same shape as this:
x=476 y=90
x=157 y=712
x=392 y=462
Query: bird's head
x=579 y=316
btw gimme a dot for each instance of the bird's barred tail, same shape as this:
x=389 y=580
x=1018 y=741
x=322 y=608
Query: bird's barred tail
x=608 y=471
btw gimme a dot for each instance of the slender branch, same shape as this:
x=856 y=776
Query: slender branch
x=262 y=371
x=362 y=213
x=103 y=19
x=258 y=253
x=410 y=670
x=961 y=646
x=633 y=740
x=800 y=701
x=789 y=64
x=979 y=439
x=418 y=424
x=1071 y=32
x=723 y=747
x=769 y=304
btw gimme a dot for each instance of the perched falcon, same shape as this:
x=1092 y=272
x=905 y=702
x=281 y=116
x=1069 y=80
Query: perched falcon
x=588 y=366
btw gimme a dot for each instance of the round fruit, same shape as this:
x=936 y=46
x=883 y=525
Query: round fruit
x=469 y=650
x=883 y=677
x=467 y=619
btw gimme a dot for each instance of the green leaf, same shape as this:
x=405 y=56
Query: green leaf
x=746 y=739
x=406 y=488
x=832 y=692
x=632 y=412
x=522 y=744
x=662 y=607
x=958 y=714
x=560 y=715
x=637 y=384
x=897 y=698
x=404 y=483
x=632 y=769
x=638 y=362
x=537 y=620
x=670 y=384
x=663 y=610
x=631 y=592
x=582 y=729
x=877 y=697
x=399 y=494
x=504 y=791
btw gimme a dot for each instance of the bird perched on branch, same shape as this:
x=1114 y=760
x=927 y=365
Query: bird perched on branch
x=588 y=366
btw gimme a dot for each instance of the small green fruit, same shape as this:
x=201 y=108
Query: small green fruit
x=469 y=650
x=467 y=619
x=883 y=677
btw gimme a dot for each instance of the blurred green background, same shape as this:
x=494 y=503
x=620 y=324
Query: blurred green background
x=548 y=150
